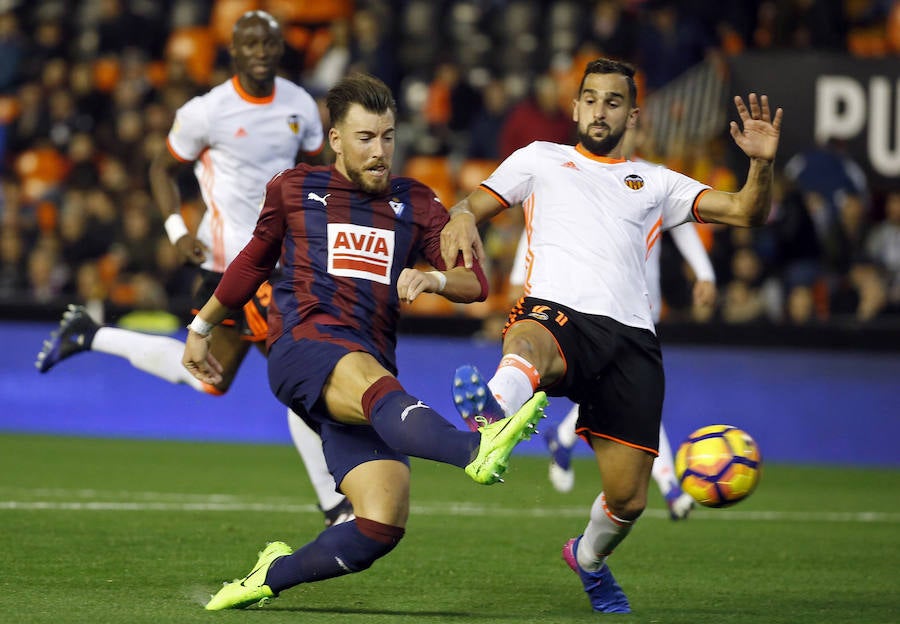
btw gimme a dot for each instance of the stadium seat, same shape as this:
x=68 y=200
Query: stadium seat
x=224 y=14
x=309 y=11
x=195 y=47
x=106 y=74
x=893 y=28
x=435 y=172
x=9 y=110
x=473 y=172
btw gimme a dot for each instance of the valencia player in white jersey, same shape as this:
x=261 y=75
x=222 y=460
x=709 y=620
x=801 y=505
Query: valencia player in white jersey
x=561 y=438
x=585 y=328
x=237 y=136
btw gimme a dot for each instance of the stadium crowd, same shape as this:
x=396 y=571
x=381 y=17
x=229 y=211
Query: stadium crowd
x=88 y=91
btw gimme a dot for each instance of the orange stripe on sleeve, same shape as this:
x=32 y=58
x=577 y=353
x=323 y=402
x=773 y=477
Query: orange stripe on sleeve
x=493 y=194
x=175 y=154
x=316 y=151
x=695 y=209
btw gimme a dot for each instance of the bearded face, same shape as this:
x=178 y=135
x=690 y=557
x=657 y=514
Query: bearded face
x=363 y=143
x=603 y=113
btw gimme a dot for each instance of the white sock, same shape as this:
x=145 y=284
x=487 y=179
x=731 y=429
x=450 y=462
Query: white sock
x=309 y=445
x=157 y=355
x=602 y=534
x=513 y=383
x=663 y=470
x=565 y=431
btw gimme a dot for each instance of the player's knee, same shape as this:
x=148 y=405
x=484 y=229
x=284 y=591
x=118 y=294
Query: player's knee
x=627 y=507
x=380 y=539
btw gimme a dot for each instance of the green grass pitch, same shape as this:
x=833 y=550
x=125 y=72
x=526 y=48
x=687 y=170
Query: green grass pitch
x=114 y=531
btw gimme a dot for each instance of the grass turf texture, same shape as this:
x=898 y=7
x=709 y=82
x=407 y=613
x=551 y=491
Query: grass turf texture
x=137 y=531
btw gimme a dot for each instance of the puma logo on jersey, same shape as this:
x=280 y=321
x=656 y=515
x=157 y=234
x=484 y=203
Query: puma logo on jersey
x=406 y=412
x=360 y=251
x=319 y=198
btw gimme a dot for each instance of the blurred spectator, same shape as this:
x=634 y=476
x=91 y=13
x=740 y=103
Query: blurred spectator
x=33 y=120
x=83 y=172
x=119 y=28
x=139 y=233
x=335 y=60
x=799 y=251
x=537 y=118
x=883 y=247
x=12 y=51
x=484 y=136
x=669 y=43
x=801 y=306
x=83 y=235
x=613 y=30
x=808 y=24
x=828 y=171
x=372 y=49
x=450 y=108
x=47 y=276
x=12 y=263
x=48 y=40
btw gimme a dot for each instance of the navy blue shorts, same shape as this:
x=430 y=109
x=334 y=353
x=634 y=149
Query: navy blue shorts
x=298 y=371
x=613 y=371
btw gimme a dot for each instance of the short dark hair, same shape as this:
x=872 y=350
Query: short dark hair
x=609 y=66
x=367 y=91
x=261 y=16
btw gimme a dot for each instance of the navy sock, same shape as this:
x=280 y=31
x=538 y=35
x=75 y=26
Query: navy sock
x=413 y=428
x=338 y=550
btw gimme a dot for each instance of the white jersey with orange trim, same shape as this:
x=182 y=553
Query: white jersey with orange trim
x=239 y=142
x=591 y=223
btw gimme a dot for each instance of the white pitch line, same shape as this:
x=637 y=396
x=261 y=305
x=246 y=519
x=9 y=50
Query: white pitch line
x=216 y=504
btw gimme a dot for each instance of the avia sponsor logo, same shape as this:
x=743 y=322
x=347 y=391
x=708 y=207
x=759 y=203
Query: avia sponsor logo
x=634 y=182
x=360 y=251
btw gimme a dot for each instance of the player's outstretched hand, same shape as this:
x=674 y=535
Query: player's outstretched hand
x=199 y=361
x=759 y=137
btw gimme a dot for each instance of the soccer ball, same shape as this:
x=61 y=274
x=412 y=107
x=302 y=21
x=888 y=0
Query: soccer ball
x=718 y=465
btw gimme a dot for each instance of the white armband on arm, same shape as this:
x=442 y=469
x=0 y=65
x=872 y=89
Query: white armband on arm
x=175 y=227
x=442 y=280
x=201 y=327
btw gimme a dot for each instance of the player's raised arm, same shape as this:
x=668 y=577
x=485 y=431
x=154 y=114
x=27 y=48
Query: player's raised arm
x=757 y=135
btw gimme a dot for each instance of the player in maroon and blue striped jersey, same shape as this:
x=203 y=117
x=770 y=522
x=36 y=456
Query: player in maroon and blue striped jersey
x=348 y=238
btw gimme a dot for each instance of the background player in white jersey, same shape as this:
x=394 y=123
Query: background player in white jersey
x=238 y=136
x=561 y=438
x=584 y=329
